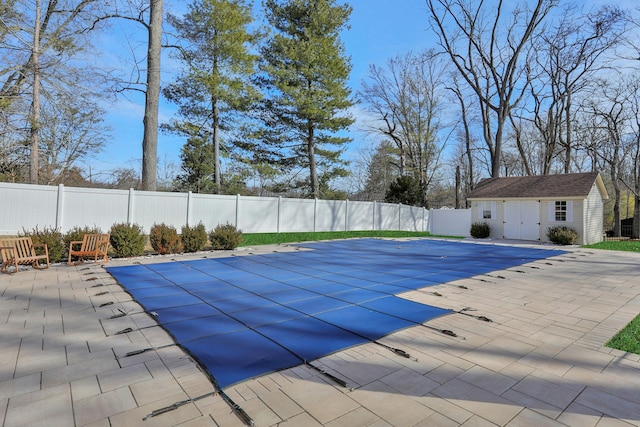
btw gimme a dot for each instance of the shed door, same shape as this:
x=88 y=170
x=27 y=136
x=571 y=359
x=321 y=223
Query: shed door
x=522 y=220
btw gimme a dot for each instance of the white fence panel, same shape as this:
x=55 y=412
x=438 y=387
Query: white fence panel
x=330 y=215
x=258 y=214
x=411 y=219
x=450 y=222
x=212 y=210
x=151 y=207
x=296 y=215
x=360 y=216
x=93 y=207
x=387 y=217
x=27 y=206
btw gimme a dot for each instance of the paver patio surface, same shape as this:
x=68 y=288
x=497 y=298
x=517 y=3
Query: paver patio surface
x=76 y=350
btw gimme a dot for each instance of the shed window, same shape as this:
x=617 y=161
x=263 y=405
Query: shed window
x=486 y=210
x=561 y=210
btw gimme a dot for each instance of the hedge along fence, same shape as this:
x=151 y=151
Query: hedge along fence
x=28 y=206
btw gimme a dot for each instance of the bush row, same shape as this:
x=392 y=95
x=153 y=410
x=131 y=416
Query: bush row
x=560 y=234
x=128 y=240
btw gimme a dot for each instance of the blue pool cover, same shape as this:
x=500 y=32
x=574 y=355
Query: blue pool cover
x=243 y=317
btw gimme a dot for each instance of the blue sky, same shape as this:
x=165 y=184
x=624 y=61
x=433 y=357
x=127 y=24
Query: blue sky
x=380 y=29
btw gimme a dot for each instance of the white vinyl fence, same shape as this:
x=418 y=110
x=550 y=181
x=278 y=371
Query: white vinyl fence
x=25 y=206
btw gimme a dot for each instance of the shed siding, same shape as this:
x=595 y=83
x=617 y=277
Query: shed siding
x=577 y=218
x=584 y=194
x=593 y=217
x=495 y=223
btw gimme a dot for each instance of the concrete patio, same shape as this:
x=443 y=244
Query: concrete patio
x=69 y=357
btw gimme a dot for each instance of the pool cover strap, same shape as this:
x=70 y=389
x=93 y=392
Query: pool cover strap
x=246 y=419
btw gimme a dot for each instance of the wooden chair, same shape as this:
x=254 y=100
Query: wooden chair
x=21 y=251
x=91 y=245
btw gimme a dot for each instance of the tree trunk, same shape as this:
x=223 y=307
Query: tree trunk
x=216 y=146
x=635 y=233
x=313 y=172
x=496 y=158
x=616 y=208
x=458 y=189
x=150 y=137
x=568 y=138
x=35 y=103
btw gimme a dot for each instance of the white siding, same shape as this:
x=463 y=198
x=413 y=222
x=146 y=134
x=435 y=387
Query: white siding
x=593 y=217
x=497 y=216
x=574 y=217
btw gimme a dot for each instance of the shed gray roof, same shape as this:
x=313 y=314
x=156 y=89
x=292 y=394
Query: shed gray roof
x=563 y=185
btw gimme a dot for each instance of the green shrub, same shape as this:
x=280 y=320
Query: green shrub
x=127 y=240
x=225 y=237
x=52 y=237
x=562 y=235
x=194 y=238
x=164 y=239
x=76 y=234
x=480 y=230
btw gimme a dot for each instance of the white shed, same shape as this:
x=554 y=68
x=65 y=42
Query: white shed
x=524 y=207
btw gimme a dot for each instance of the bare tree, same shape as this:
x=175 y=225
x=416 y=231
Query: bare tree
x=632 y=168
x=607 y=107
x=465 y=136
x=74 y=132
x=567 y=59
x=40 y=43
x=488 y=46
x=406 y=99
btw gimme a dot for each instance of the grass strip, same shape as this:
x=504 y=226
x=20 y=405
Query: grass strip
x=629 y=246
x=254 y=239
x=628 y=339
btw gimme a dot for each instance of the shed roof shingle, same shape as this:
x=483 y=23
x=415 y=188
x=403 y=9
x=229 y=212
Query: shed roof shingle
x=562 y=185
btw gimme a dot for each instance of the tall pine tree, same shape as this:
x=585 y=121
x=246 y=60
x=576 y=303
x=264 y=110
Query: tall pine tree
x=305 y=72
x=215 y=85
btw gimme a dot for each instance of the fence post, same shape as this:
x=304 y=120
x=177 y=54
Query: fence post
x=346 y=215
x=130 y=211
x=60 y=208
x=373 y=224
x=238 y=211
x=279 y=212
x=315 y=213
x=424 y=218
x=189 y=208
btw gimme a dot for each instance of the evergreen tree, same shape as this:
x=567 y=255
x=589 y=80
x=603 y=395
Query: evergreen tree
x=305 y=72
x=197 y=167
x=407 y=190
x=215 y=86
x=382 y=168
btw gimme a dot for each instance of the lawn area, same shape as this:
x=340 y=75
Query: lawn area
x=628 y=339
x=625 y=245
x=249 y=239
